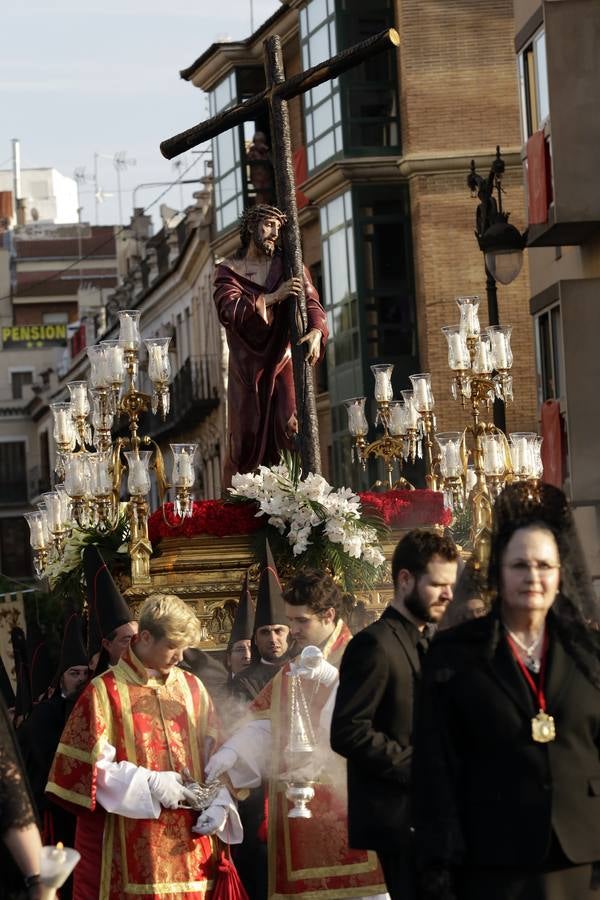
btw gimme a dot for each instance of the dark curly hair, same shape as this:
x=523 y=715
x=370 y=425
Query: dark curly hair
x=250 y=218
x=316 y=590
x=417 y=548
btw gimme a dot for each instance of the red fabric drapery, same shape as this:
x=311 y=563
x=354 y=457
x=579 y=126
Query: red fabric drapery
x=553 y=445
x=539 y=178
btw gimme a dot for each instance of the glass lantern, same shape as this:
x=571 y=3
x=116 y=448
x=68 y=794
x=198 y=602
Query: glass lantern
x=397 y=418
x=183 y=473
x=64 y=429
x=115 y=362
x=80 y=404
x=129 y=328
x=499 y=336
x=77 y=475
x=450 y=459
x=383 y=383
x=469 y=316
x=99 y=374
x=494 y=461
x=422 y=393
x=39 y=536
x=458 y=352
x=138 y=477
x=358 y=425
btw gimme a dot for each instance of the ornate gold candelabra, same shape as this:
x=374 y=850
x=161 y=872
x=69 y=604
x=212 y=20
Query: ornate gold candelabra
x=471 y=467
x=92 y=463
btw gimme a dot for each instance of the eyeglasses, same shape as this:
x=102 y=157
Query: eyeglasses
x=521 y=567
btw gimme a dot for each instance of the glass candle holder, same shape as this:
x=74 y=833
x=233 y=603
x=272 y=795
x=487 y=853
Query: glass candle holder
x=64 y=431
x=129 y=328
x=412 y=413
x=482 y=363
x=458 y=352
x=383 y=383
x=422 y=393
x=450 y=460
x=65 y=504
x=80 y=404
x=101 y=473
x=99 y=376
x=523 y=452
x=358 y=425
x=397 y=418
x=39 y=536
x=115 y=362
x=499 y=336
x=494 y=462
x=138 y=477
x=54 y=511
x=469 y=316
x=159 y=364
x=183 y=473
x=77 y=475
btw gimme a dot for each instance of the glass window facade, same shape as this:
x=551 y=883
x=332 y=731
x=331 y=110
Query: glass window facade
x=322 y=109
x=356 y=113
x=369 y=298
x=235 y=174
x=549 y=354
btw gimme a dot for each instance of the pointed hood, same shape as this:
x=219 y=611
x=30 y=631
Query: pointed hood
x=41 y=669
x=243 y=624
x=106 y=607
x=23 y=698
x=72 y=651
x=270 y=608
x=6 y=688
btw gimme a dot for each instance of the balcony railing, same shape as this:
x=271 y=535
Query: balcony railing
x=194 y=395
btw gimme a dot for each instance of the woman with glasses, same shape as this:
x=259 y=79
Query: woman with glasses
x=507 y=755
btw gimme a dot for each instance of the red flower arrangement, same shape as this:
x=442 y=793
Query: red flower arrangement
x=407 y=509
x=399 y=509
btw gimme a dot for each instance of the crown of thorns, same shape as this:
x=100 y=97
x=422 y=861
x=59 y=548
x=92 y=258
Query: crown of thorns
x=254 y=214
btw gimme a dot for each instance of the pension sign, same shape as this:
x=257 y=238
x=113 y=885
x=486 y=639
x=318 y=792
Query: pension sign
x=32 y=337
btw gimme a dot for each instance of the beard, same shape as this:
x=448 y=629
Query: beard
x=418 y=607
x=265 y=247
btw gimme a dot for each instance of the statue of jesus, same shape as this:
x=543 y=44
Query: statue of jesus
x=249 y=289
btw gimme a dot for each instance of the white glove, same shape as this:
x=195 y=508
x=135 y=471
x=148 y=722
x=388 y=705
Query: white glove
x=219 y=762
x=167 y=788
x=313 y=666
x=212 y=820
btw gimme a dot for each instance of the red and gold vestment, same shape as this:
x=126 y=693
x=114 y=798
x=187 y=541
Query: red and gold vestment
x=309 y=859
x=162 y=726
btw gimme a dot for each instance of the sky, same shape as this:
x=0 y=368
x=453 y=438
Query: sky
x=80 y=77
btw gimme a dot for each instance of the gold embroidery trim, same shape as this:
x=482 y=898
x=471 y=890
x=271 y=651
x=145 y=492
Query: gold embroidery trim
x=107 y=857
x=66 y=794
x=75 y=753
x=126 y=719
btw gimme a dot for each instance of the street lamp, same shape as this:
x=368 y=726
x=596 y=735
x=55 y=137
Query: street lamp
x=501 y=243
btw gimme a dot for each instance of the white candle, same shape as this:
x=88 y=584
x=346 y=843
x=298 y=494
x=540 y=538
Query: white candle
x=397 y=418
x=471 y=479
x=493 y=457
x=128 y=330
x=114 y=364
x=79 y=400
x=155 y=362
x=412 y=414
x=37 y=533
x=483 y=358
x=185 y=473
x=421 y=394
x=458 y=353
x=138 y=481
x=452 y=459
x=62 y=422
x=383 y=387
x=500 y=350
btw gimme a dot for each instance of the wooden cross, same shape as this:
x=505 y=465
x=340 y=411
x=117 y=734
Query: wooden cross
x=277 y=92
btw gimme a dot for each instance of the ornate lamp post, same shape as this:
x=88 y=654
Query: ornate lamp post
x=501 y=243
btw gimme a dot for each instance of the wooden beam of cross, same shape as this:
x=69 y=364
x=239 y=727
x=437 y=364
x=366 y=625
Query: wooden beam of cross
x=277 y=92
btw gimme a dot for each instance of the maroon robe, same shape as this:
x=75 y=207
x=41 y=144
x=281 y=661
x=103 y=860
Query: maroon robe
x=260 y=395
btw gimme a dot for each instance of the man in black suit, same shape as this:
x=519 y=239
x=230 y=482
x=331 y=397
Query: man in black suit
x=374 y=712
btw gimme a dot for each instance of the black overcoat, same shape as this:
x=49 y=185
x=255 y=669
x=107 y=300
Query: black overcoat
x=372 y=727
x=486 y=794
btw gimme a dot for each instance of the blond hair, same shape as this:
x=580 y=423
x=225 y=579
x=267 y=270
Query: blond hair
x=168 y=616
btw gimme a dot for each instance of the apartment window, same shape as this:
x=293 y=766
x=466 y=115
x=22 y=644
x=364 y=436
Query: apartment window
x=322 y=105
x=369 y=91
x=231 y=173
x=55 y=318
x=18 y=379
x=13 y=472
x=549 y=353
x=339 y=281
x=533 y=81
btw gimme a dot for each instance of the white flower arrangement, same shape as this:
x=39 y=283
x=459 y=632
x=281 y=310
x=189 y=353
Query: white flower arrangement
x=297 y=507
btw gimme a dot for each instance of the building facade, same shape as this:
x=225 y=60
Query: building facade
x=381 y=156
x=557 y=47
x=54 y=284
